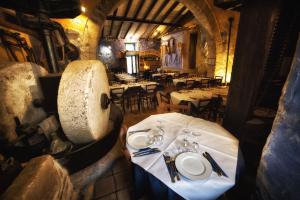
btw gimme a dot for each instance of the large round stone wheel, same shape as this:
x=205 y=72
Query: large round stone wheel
x=79 y=101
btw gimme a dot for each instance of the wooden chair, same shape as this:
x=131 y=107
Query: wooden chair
x=169 y=80
x=202 y=109
x=196 y=84
x=189 y=84
x=167 y=106
x=215 y=82
x=117 y=96
x=214 y=107
x=149 y=96
x=180 y=86
x=204 y=83
x=133 y=97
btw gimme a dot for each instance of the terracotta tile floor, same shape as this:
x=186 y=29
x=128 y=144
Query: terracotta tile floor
x=116 y=184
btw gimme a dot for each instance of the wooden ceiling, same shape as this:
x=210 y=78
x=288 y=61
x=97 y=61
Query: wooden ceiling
x=136 y=19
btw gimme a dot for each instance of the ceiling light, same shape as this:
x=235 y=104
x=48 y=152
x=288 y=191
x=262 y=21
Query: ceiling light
x=83 y=9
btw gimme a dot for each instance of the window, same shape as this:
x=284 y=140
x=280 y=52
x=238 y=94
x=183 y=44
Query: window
x=132 y=64
x=130 y=46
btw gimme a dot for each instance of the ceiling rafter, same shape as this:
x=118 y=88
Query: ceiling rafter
x=125 y=15
x=161 y=7
x=134 y=20
x=166 y=14
x=112 y=22
x=149 y=9
x=180 y=20
x=175 y=20
x=139 y=8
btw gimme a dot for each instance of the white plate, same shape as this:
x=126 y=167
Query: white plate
x=139 y=140
x=193 y=166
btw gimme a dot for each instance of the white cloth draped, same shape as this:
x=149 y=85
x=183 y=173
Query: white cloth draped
x=196 y=95
x=211 y=137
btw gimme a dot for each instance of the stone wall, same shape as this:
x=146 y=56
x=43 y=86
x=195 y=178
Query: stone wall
x=109 y=51
x=83 y=33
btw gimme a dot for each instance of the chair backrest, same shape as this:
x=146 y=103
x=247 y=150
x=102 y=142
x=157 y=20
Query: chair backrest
x=204 y=82
x=203 y=105
x=189 y=83
x=151 y=88
x=184 y=75
x=169 y=78
x=180 y=85
x=133 y=91
x=165 y=98
x=196 y=84
x=117 y=92
x=215 y=102
x=218 y=81
x=215 y=82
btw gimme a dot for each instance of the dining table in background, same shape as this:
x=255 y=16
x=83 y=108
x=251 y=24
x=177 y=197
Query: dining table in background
x=163 y=74
x=125 y=77
x=196 y=95
x=183 y=80
x=211 y=137
x=142 y=84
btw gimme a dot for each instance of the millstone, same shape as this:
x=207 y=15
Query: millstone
x=79 y=101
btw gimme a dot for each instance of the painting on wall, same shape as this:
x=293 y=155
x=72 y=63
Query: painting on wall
x=172 y=53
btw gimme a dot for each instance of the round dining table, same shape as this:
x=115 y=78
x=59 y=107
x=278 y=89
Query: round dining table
x=151 y=170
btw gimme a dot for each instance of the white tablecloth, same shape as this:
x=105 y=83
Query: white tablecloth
x=126 y=86
x=183 y=80
x=160 y=74
x=214 y=139
x=125 y=77
x=196 y=95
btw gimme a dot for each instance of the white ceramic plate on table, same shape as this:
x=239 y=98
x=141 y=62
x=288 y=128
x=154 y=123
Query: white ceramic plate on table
x=139 y=140
x=193 y=166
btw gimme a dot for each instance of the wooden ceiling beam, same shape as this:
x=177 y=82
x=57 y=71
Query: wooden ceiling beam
x=161 y=7
x=171 y=9
x=129 y=19
x=125 y=15
x=149 y=9
x=112 y=22
x=176 y=19
x=181 y=20
x=139 y=8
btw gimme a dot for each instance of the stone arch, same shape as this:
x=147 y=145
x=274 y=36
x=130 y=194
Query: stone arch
x=201 y=9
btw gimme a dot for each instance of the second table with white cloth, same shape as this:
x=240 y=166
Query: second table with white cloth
x=196 y=95
x=183 y=80
x=211 y=137
x=142 y=84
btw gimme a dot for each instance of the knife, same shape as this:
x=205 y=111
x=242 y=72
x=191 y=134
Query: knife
x=169 y=169
x=175 y=169
x=145 y=150
x=216 y=164
x=215 y=169
x=146 y=153
x=144 y=130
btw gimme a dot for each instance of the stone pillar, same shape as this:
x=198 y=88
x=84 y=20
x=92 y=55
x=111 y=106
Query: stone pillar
x=278 y=174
